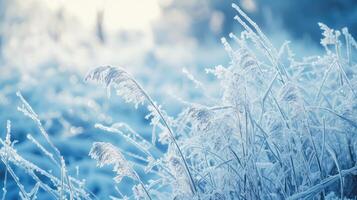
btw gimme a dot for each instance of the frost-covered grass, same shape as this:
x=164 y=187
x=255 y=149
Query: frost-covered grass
x=284 y=128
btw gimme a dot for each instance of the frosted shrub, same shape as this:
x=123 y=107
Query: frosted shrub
x=284 y=128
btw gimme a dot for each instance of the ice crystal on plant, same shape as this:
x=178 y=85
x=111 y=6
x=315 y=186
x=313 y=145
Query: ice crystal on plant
x=330 y=35
x=121 y=80
x=107 y=154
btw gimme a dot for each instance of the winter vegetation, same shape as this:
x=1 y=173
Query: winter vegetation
x=282 y=127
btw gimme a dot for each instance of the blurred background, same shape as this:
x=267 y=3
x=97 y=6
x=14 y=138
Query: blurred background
x=47 y=46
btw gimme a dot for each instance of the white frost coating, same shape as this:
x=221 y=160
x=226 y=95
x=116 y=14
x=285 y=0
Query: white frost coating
x=330 y=35
x=122 y=81
x=190 y=76
x=107 y=154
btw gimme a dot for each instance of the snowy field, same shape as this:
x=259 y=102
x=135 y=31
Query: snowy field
x=164 y=99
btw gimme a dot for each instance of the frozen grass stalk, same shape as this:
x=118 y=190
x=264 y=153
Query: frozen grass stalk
x=133 y=92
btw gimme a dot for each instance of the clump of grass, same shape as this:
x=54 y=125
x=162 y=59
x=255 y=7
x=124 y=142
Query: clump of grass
x=262 y=141
x=284 y=128
x=61 y=186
